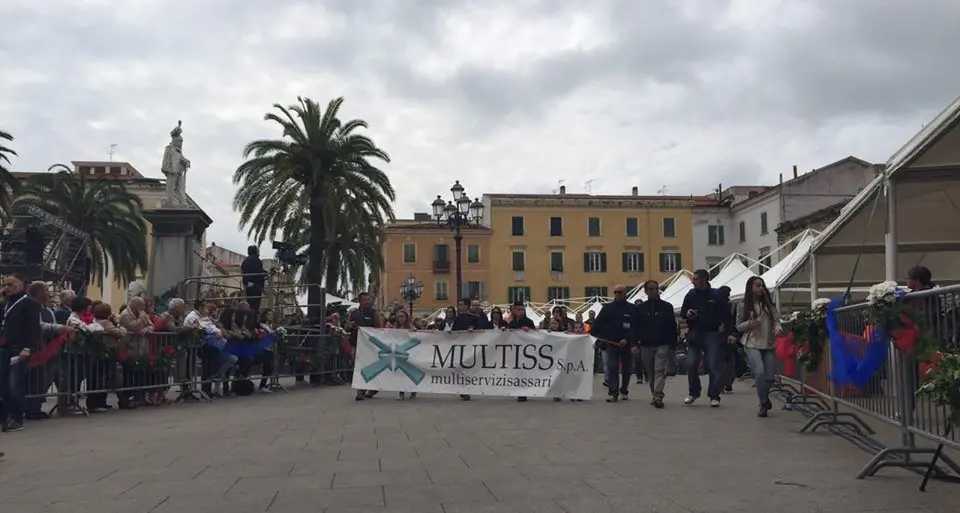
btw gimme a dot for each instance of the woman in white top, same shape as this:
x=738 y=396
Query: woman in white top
x=759 y=321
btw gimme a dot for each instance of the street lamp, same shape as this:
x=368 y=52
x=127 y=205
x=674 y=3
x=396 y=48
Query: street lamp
x=455 y=215
x=410 y=290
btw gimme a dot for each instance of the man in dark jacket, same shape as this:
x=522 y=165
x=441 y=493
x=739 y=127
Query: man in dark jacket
x=614 y=328
x=21 y=332
x=254 y=277
x=709 y=322
x=655 y=331
x=470 y=318
x=364 y=316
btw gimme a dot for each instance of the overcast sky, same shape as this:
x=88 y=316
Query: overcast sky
x=506 y=96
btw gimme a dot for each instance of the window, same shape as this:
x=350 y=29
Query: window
x=516 y=225
x=670 y=262
x=595 y=291
x=558 y=293
x=743 y=231
x=556 y=226
x=713 y=267
x=474 y=290
x=764 y=259
x=441 y=253
x=409 y=253
x=763 y=223
x=473 y=253
x=633 y=227
x=593 y=227
x=669 y=227
x=518 y=260
x=515 y=294
x=632 y=262
x=715 y=235
x=556 y=261
x=594 y=262
x=440 y=291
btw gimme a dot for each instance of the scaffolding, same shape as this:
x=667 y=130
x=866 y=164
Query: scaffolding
x=37 y=245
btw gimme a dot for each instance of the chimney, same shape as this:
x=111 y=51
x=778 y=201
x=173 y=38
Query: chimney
x=563 y=189
x=794 y=171
x=781 y=178
x=635 y=191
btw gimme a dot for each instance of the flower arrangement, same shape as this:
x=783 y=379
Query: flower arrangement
x=809 y=334
x=942 y=384
x=889 y=312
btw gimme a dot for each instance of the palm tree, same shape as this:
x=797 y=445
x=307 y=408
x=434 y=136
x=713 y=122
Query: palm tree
x=9 y=186
x=320 y=167
x=105 y=210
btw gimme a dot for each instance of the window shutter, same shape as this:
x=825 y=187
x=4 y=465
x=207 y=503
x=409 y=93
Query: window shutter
x=640 y=262
x=625 y=261
x=586 y=262
x=566 y=293
x=663 y=262
x=603 y=262
x=679 y=262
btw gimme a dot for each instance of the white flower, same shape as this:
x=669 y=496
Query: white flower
x=882 y=293
x=820 y=304
x=281 y=330
x=794 y=316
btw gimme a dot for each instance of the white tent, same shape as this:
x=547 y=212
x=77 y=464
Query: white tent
x=774 y=276
x=676 y=291
x=330 y=298
x=907 y=216
x=732 y=274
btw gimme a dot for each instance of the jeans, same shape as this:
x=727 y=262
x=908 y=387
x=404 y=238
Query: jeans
x=763 y=364
x=14 y=401
x=708 y=348
x=655 y=362
x=606 y=365
x=618 y=369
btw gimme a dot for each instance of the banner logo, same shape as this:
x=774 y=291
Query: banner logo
x=393 y=357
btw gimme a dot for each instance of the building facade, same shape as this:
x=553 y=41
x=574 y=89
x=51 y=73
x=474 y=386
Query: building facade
x=745 y=220
x=152 y=191
x=420 y=248
x=562 y=246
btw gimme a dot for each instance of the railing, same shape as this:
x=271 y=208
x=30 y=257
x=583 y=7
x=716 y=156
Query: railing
x=441 y=266
x=890 y=395
x=169 y=367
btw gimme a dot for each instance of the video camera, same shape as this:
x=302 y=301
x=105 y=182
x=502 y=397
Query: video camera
x=287 y=254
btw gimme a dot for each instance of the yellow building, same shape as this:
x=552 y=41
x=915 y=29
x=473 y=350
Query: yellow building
x=422 y=249
x=563 y=246
x=152 y=191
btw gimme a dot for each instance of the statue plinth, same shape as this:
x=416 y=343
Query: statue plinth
x=177 y=246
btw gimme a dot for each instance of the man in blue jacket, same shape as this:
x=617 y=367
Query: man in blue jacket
x=614 y=328
x=708 y=323
x=655 y=331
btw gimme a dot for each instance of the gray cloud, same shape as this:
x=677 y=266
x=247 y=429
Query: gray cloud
x=506 y=96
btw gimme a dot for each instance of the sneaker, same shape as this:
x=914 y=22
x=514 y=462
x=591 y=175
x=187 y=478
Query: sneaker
x=612 y=399
x=657 y=403
x=465 y=397
x=521 y=399
x=714 y=403
x=639 y=381
x=768 y=405
x=728 y=389
x=413 y=395
x=605 y=384
x=360 y=396
x=265 y=391
x=763 y=412
x=401 y=396
x=624 y=397
x=12 y=426
x=690 y=400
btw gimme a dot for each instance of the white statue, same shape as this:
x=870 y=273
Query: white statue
x=175 y=167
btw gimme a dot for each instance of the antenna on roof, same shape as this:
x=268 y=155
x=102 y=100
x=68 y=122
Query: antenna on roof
x=113 y=147
x=662 y=191
x=588 y=185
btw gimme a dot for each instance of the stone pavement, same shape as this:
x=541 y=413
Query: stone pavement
x=316 y=450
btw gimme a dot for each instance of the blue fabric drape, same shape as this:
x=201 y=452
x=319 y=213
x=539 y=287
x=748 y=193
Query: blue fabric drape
x=850 y=362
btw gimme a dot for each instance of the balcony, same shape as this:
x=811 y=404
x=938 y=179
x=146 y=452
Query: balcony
x=441 y=266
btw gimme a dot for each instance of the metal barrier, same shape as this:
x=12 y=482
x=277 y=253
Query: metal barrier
x=163 y=368
x=890 y=396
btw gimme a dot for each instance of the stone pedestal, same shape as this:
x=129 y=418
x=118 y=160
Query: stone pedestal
x=175 y=257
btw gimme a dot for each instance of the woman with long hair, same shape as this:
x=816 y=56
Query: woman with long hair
x=496 y=318
x=404 y=323
x=759 y=321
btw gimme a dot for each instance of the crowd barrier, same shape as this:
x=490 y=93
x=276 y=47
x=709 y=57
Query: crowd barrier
x=159 y=367
x=891 y=395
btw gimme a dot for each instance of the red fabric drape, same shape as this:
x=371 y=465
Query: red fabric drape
x=786 y=352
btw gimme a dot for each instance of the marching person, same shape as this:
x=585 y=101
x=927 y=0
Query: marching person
x=470 y=318
x=520 y=321
x=364 y=316
x=614 y=328
x=708 y=322
x=655 y=332
x=732 y=352
x=759 y=321
x=403 y=323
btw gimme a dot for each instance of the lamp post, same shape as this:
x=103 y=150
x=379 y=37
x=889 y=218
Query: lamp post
x=410 y=290
x=456 y=215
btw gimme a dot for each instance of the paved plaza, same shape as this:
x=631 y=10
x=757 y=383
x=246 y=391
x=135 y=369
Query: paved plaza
x=316 y=450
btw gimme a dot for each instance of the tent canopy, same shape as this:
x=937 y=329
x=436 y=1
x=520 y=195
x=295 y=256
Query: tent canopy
x=732 y=274
x=924 y=182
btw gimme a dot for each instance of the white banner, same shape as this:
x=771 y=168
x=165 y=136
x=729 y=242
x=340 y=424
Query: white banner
x=505 y=363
